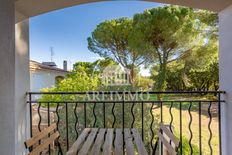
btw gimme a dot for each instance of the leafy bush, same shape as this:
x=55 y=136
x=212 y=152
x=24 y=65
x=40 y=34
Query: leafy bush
x=186 y=147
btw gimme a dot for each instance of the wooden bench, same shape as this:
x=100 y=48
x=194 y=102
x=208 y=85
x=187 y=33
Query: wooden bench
x=167 y=139
x=42 y=140
x=95 y=141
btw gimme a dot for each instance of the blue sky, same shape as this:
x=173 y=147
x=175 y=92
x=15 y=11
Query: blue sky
x=67 y=30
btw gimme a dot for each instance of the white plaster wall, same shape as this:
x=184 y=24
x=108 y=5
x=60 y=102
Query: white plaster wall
x=43 y=79
x=36 y=7
x=225 y=76
x=22 y=78
x=7 y=77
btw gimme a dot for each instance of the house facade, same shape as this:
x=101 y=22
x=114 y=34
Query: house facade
x=44 y=75
x=115 y=75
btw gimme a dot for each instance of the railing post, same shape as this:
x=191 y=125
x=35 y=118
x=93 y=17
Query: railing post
x=161 y=119
x=49 y=147
x=181 y=146
x=123 y=112
x=123 y=108
x=67 y=134
x=219 y=122
x=104 y=114
x=200 y=132
x=30 y=111
x=142 y=115
x=85 y=114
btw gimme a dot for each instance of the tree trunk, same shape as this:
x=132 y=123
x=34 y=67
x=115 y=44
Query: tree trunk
x=161 y=77
x=132 y=76
x=161 y=80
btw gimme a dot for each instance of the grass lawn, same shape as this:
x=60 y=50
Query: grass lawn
x=195 y=125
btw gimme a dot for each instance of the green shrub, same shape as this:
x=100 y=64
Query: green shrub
x=186 y=148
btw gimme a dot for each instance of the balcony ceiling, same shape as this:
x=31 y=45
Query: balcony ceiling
x=30 y=8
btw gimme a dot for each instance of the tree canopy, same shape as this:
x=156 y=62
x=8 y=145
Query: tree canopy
x=180 y=43
x=168 y=33
x=112 y=38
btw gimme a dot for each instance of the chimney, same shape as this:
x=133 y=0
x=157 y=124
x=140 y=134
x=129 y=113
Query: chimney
x=65 y=65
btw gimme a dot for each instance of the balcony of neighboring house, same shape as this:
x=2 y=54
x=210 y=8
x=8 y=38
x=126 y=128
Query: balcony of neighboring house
x=192 y=116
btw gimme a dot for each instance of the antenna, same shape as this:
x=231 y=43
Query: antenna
x=70 y=64
x=52 y=53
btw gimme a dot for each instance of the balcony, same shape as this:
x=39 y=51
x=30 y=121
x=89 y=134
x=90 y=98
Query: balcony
x=192 y=116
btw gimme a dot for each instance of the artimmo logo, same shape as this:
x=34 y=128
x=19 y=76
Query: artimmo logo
x=115 y=75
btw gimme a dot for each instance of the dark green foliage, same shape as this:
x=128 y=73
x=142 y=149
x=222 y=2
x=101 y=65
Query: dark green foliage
x=167 y=33
x=112 y=38
x=186 y=148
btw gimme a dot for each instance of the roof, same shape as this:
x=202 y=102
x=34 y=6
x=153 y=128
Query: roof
x=34 y=65
x=51 y=64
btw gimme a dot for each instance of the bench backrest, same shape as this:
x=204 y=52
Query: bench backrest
x=48 y=136
x=168 y=139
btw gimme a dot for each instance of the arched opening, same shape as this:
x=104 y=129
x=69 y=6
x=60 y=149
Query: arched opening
x=14 y=70
x=32 y=8
x=146 y=131
x=58 y=79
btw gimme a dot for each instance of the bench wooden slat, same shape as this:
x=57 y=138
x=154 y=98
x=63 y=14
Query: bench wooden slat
x=98 y=143
x=39 y=136
x=77 y=145
x=169 y=134
x=129 y=144
x=168 y=146
x=85 y=149
x=139 y=142
x=107 y=148
x=118 y=142
x=45 y=144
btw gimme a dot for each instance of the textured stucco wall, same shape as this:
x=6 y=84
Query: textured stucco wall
x=22 y=85
x=7 y=77
x=225 y=61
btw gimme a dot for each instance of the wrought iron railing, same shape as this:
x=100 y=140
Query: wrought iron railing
x=194 y=116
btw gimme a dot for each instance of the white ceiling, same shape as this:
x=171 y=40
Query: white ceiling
x=30 y=8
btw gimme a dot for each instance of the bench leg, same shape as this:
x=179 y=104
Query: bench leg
x=162 y=149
